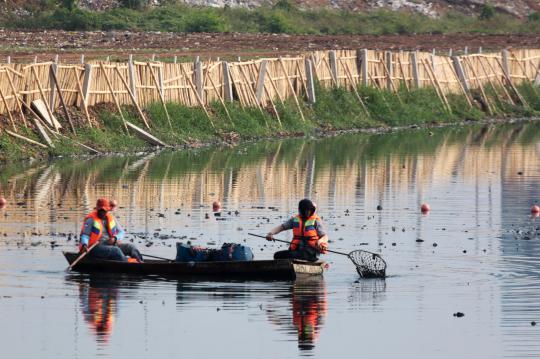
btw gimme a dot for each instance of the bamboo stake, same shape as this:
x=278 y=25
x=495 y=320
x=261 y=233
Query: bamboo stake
x=8 y=111
x=490 y=81
x=275 y=88
x=139 y=110
x=220 y=99
x=460 y=85
x=156 y=83
x=301 y=77
x=349 y=74
x=437 y=90
x=61 y=96
x=292 y=89
x=273 y=105
x=250 y=89
x=113 y=96
x=466 y=60
x=437 y=86
x=509 y=81
x=201 y=103
x=26 y=139
x=80 y=92
x=391 y=80
x=334 y=81
x=499 y=81
x=403 y=73
x=18 y=101
x=49 y=111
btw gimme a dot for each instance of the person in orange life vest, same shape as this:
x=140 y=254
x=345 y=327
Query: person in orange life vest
x=309 y=236
x=101 y=226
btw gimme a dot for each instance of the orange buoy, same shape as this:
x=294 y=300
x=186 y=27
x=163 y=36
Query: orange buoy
x=535 y=209
x=216 y=206
x=113 y=204
x=424 y=207
x=3 y=202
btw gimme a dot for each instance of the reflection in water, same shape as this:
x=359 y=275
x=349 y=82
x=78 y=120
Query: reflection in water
x=470 y=254
x=98 y=304
x=304 y=317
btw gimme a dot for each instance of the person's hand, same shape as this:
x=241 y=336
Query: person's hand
x=84 y=248
x=270 y=237
x=323 y=247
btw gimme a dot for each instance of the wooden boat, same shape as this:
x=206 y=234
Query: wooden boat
x=260 y=269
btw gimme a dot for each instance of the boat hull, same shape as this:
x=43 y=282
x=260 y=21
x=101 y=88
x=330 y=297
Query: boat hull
x=260 y=269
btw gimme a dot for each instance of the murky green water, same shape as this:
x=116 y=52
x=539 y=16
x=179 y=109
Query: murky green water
x=479 y=255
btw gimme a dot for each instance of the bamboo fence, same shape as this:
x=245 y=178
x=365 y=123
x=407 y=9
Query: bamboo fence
x=257 y=83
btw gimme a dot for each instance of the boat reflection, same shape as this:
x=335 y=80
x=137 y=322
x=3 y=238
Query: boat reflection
x=306 y=313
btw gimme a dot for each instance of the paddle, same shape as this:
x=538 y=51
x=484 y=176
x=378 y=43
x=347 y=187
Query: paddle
x=82 y=256
x=165 y=259
x=367 y=264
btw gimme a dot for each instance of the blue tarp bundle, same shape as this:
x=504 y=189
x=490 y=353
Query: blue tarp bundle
x=227 y=252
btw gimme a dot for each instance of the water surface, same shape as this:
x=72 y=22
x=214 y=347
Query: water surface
x=479 y=253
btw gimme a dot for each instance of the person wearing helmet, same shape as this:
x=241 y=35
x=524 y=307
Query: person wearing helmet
x=309 y=236
x=101 y=226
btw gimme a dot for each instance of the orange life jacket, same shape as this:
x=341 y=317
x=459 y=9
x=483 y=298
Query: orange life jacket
x=97 y=227
x=305 y=233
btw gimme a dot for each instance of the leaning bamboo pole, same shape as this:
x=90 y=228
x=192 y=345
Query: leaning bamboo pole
x=132 y=97
x=156 y=83
x=292 y=89
x=8 y=111
x=114 y=96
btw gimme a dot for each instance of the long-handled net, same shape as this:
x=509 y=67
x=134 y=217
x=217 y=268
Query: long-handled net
x=368 y=264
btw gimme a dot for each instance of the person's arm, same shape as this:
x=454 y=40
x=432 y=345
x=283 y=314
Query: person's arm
x=85 y=233
x=282 y=227
x=322 y=243
x=118 y=234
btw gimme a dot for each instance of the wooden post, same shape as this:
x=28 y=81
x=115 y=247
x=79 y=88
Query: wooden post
x=505 y=64
x=175 y=60
x=466 y=50
x=227 y=85
x=389 y=70
x=334 y=66
x=198 y=78
x=8 y=60
x=310 y=84
x=86 y=83
x=82 y=59
x=260 y=81
x=450 y=53
x=414 y=64
x=461 y=74
x=52 y=91
x=156 y=83
x=365 y=63
x=480 y=50
x=132 y=78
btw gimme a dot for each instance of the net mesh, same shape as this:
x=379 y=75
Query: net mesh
x=368 y=265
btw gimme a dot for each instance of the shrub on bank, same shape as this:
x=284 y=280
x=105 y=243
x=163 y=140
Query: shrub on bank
x=281 y=18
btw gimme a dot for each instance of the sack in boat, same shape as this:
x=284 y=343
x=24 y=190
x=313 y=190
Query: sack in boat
x=235 y=252
x=189 y=253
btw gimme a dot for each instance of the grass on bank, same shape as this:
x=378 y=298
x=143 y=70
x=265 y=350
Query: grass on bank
x=335 y=109
x=282 y=17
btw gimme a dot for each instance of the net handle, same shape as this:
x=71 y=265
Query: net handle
x=282 y=241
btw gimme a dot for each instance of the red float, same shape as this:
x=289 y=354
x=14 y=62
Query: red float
x=535 y=209
x=216 y=206
x=424 y=208
x=3 y=202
